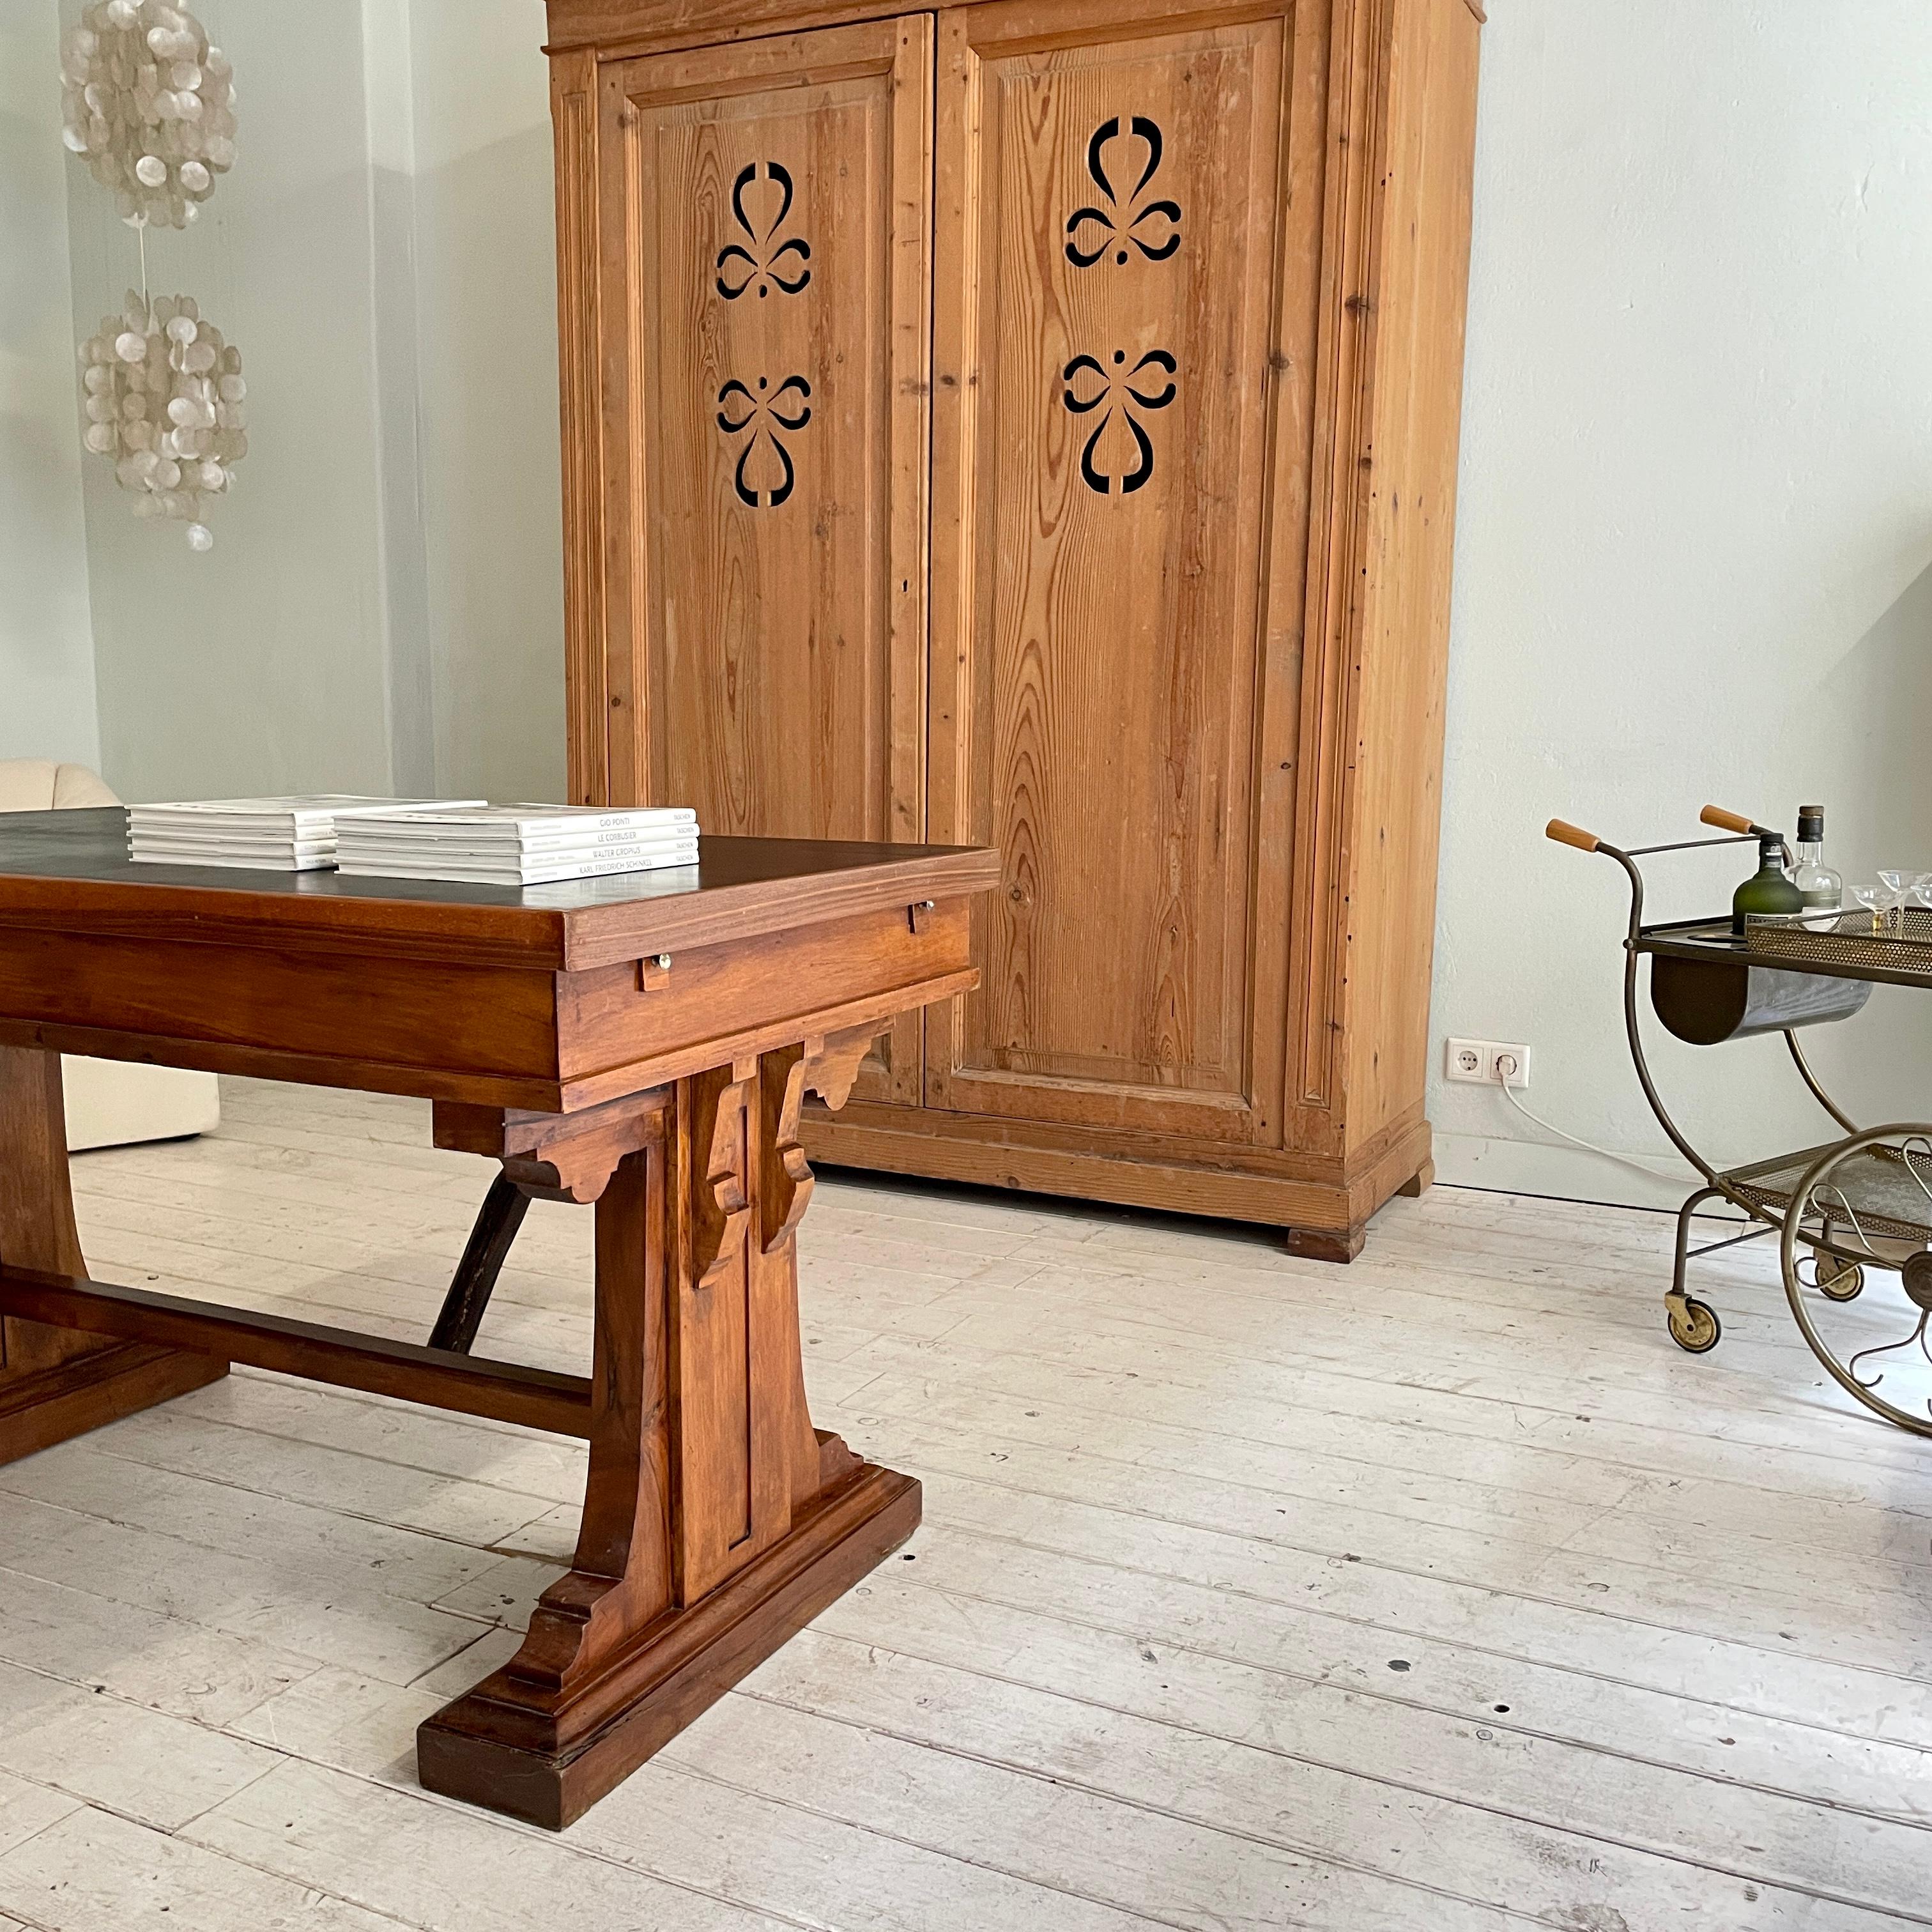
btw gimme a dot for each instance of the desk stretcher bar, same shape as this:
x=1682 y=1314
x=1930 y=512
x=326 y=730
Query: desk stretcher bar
x=503 y=1391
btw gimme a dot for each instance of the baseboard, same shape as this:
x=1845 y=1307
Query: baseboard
x=1570 y=1173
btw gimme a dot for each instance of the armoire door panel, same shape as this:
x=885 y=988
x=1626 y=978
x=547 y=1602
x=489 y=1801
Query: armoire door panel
x=1120 y=460
x=775 y=220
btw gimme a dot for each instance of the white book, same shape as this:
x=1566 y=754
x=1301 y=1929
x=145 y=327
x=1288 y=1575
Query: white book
x=682 y=850
x=246 y=862
x=293 y=834
x=271 y=862
x=541 y=874
x=480 y=838
x=310 y=812
x=515 y=869
x=513 y=825
x=599 y=845
x=217 y=841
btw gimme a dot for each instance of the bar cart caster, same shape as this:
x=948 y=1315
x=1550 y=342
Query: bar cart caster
x=1836 y=1280
x=1854 y=1209
x=1693 y=1325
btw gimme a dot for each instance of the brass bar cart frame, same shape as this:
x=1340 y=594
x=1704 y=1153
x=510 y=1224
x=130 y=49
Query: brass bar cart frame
x=1872 y=1217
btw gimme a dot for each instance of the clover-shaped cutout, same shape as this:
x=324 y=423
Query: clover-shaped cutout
x=1152 y=227
x=1089 y=386
x=788 y=407
x=785 y=265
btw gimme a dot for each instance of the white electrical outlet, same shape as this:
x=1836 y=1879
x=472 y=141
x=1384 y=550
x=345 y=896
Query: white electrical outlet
x=1487 y=1062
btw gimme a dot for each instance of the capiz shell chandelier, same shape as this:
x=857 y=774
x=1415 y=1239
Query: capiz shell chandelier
x=151 y=106
x=164 y=404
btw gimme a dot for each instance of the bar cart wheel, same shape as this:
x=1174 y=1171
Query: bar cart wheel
x=1693 y=1326
x=1836 y=1280
x=1880 y=1181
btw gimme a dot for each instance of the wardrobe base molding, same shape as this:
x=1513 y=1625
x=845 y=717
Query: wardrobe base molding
x=967 y=1147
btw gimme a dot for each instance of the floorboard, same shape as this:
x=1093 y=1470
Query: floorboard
x=1441 y=1591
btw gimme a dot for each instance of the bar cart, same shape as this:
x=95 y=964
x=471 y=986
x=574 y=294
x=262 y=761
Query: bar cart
x=1854 y=1210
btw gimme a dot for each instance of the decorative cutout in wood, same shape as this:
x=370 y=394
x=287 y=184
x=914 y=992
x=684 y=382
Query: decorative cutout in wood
x=787 y=408
x=1089 y=386
x=1152 y=227
x=786 y=266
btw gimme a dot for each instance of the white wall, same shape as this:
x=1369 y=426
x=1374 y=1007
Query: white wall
x=1694 y=542
x=47 y=647
x=486 y=289
x=261 y=666
x=382 y=609
x=1694 y=557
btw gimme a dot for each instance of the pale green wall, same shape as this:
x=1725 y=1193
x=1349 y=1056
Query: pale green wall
x=1693 y=535
x=383 y=608
x=46 y=652
x=1696 y=517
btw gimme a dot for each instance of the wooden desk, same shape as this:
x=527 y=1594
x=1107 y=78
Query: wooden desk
x=643 y=1042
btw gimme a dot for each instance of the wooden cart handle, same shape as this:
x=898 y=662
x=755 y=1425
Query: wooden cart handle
x=1725 y=821
x=1566 y=834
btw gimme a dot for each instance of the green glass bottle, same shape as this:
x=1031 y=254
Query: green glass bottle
x=1768 y=890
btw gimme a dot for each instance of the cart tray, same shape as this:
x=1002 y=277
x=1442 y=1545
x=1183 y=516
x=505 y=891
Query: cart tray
x=1850 y=939
x=1878 y=1184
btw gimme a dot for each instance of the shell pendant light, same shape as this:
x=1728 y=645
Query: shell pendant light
x=164 y=404
x=150 y=105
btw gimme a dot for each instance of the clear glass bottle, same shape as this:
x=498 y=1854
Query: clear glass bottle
x=1824 y=891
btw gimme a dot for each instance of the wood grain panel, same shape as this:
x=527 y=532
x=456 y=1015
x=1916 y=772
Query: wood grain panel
x=55 y=1380
x=579 y=325
x=1186 y=650
x=775 y=202
x=36 y=1225
x=1409 y=527
x=712 y=1335
x=471 y=1019
x=1114 y=433
x=606 y=1019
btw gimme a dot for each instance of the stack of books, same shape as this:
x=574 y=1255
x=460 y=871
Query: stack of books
x=517 y=845
x=263 y=835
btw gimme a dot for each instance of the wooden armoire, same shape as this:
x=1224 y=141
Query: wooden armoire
x=1032 y=423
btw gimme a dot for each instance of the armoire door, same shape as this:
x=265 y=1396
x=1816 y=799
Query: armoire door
x=766 y=438
x=1126 y=254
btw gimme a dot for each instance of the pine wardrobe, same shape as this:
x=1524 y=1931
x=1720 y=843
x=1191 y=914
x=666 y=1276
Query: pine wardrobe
x=1034 y=423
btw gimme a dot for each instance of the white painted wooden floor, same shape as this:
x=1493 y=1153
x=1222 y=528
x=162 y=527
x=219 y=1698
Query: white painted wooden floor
x=1440 y=1591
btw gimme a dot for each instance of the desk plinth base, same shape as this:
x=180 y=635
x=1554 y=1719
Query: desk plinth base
x=547 y=1758
x=87 y=1391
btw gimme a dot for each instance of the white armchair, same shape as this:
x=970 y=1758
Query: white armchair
x=110 y=1103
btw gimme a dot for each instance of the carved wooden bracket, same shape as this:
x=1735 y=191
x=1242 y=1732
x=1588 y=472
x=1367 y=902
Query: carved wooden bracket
x=720 y=1199
x=833 y=1062
x=827 y=1065
x=555 y=1156
x=785 y=1186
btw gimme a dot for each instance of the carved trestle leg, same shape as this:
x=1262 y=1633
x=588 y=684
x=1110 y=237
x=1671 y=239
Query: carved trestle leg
x=716 y=1521
x=58 y=1382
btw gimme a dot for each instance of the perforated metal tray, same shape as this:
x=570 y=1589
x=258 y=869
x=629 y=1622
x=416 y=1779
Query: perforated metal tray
x=1877 y=1184
x=1850 y=939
